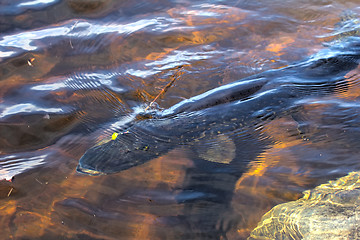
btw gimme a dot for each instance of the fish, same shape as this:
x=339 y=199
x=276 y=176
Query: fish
x=218 y=120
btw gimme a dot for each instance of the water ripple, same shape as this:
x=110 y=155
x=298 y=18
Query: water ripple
x=76 y=29
x=73 y=72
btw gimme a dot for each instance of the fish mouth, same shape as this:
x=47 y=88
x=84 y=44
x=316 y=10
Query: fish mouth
x=88 y=171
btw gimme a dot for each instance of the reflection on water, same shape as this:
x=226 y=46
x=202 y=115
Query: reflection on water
x=73 y=72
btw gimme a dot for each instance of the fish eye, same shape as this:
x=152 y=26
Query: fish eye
x=145 y=148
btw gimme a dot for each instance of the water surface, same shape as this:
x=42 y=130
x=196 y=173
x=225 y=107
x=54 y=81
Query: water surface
x=73 y=72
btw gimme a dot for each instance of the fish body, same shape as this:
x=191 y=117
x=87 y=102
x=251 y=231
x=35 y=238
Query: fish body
x=227 y=113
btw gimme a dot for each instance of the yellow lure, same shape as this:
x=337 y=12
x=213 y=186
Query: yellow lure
x=114 y=136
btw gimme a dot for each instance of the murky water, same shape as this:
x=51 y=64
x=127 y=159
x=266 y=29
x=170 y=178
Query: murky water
x=73 y=72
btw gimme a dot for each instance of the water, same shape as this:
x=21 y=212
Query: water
x=73 y=72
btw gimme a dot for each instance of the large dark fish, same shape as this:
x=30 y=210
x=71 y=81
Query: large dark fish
x=226 y=114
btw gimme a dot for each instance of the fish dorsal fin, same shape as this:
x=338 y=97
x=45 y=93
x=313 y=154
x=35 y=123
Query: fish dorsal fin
x=239 y=90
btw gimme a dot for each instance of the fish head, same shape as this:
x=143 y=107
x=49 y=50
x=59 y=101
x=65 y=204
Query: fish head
x=124 y=152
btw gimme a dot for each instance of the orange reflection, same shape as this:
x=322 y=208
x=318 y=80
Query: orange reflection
x=31 y=224
x=257 y=190
x=157 y=55
x=277 y=153
x=352 y=90
x=282 y=43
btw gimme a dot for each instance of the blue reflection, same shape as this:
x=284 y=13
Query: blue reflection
x=12 y=165
x=6 y=54
x=37 y=3
x=13 y=7
x=141 y=73
x=27 y=108
x=49 y=87
x=175 y=59
x=182 y=57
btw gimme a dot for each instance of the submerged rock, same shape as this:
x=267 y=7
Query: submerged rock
x=330 y=211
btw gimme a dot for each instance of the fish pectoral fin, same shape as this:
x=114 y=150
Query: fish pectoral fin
x=219 y=149
x=305 y=126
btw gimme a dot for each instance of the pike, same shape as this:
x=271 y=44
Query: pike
x=213 y=122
